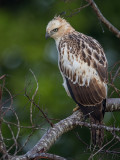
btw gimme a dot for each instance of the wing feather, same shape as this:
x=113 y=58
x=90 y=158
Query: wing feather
x=83 y=64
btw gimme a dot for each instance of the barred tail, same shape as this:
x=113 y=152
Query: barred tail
x=97 y=135
x=96 y=115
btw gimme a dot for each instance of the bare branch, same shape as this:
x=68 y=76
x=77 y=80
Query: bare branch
x=14 y=139
x=36 y=90
x=45 y=116
x=89 y=125
x=92 y=155
x=116 y=74
x=50 y=137
x=2 y=144
x=56 y=130
x=76 y=11
x=47 y=156
x=25 y=143
x=54 y=133
x=116 y=136
x=103 y=19
x=113 y=105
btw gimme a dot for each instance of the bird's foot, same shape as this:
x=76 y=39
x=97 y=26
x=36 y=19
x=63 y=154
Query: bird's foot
x=76 y=108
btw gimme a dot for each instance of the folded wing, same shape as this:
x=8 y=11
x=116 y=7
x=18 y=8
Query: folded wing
x=83 y=66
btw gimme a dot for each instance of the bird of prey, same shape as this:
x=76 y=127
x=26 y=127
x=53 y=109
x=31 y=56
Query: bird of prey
x=83 y=66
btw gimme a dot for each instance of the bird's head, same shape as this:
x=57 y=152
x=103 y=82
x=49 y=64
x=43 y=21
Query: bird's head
x=57 y=27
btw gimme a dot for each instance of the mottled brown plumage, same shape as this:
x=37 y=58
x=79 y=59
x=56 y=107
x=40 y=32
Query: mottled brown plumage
x=83 y=66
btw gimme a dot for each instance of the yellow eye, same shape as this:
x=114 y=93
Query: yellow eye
x=55 y=30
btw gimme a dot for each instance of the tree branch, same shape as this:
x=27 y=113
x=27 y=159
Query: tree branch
x=3 y=149
x=103 y=19
x=50 y=137
x=113 y=105
x=45 y=116
x=37 y=156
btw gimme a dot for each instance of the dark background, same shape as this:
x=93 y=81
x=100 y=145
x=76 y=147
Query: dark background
x=23 y=46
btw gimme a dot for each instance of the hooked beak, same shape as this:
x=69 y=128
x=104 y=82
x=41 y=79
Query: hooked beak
x=47 y=35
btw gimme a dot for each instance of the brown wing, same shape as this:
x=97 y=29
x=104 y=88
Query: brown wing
x=87 y=96
x=84 y=67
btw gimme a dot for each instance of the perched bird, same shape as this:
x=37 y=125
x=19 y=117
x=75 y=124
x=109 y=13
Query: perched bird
x=83 y=66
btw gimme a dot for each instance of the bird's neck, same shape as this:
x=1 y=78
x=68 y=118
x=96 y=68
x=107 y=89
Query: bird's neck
x=64 y=32
x=57 y=41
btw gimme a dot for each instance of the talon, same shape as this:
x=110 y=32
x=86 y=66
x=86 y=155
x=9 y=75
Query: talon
x=76 y=108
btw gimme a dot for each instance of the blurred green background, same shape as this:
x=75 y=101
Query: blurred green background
x=23 y=47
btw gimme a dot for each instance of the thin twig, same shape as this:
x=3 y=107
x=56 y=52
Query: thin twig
x=103 y=19
x=45 y=116
x=36 y=90
x=2 y=144
x=116 y=74
x=116 y=89
x=92 y=155
x=116 y=136
x=14 y=139
x=76 y=11
x=25 y=143
x=11 y=101
x=50 y=137
x=36 y=127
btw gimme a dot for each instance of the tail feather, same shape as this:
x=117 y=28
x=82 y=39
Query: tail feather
x=96 y=115
x=97 y=135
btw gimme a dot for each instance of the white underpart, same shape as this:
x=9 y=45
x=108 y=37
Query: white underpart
x=64 y=80
x=65 y=86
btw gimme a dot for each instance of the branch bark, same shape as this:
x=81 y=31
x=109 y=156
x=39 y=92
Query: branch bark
x=37 y=156
x=103 y=19
x=50 y=137
x=113 y=105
